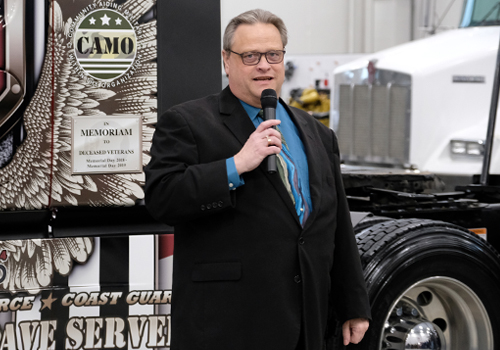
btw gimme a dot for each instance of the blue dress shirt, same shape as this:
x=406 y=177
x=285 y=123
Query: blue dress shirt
x=291 y=135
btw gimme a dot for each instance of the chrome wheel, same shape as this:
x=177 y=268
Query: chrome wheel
x=437 y=313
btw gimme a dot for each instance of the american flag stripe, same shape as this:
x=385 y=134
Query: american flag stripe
x=165 y=268
x=142 y=274
x=114 y=275
x=85 y=278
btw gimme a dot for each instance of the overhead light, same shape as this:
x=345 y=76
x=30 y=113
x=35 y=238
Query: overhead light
x=473 y=148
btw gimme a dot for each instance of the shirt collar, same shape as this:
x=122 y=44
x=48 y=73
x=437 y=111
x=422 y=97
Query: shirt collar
x=251 y=111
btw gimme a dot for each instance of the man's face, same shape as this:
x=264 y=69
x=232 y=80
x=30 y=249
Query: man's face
x=248 y=82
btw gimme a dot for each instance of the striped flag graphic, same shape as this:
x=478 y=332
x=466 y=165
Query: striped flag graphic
x=118 y=299
x=106 y=69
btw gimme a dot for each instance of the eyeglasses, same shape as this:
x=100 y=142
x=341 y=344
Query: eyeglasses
x=253 y=58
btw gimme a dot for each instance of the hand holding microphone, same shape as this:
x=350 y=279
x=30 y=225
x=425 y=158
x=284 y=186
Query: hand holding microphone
x=264 y=142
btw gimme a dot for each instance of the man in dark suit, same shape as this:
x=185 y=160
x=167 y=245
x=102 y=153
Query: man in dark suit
x=261 y=261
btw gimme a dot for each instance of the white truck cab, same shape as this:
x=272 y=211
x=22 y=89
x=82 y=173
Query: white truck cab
x=423 y=105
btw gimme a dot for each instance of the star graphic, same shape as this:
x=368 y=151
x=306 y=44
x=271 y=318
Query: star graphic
x=118 y=21
x=105 y=20
x=47 y=303
x=92 y=20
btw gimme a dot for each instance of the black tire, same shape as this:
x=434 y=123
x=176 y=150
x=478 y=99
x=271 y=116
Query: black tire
x=437 y=279
x=368 y=222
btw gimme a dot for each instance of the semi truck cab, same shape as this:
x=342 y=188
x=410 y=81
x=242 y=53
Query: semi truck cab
x=422 y=105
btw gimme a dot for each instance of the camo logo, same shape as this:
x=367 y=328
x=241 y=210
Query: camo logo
x=105 y=44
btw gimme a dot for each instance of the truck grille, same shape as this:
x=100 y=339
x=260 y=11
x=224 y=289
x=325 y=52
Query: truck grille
x=374 y=119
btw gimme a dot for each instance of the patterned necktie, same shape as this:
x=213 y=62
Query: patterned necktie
x=288 y=173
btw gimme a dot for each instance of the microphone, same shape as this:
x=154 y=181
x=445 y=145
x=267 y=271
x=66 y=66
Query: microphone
x=269 y=101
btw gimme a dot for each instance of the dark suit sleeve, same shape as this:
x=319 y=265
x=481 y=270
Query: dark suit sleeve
x=179 y=188
x=349 y=296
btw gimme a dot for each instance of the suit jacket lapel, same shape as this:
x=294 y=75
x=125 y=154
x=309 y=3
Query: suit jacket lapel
x=237 y=121
x=234 y=116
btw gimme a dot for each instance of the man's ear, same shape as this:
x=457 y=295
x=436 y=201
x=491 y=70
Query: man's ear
x=224 y=61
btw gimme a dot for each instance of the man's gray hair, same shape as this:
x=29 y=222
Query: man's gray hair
x=253 y=17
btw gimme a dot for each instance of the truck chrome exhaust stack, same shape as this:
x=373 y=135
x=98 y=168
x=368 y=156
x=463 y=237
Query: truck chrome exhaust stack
x=490 y=133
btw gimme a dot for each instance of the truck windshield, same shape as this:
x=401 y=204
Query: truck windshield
x=479 y=13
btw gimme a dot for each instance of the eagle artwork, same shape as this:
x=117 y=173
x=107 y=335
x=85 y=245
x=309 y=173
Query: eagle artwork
x=39 y=174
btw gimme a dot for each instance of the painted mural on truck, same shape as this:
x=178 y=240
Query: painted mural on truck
x=116 y=294
x=80 y=138
x=87 y=129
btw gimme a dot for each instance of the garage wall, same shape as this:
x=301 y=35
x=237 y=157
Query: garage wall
x=314 y=26
x=350 y=26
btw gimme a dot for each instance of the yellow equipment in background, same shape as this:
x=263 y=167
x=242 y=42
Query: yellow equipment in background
x=316 y=102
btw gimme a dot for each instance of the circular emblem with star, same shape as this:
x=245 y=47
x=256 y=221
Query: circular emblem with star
x=105 y=44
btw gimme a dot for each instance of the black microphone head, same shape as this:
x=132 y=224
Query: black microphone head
x=269 y=98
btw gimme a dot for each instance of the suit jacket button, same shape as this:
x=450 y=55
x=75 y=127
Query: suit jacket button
x=297 y=279
x=214 y=205
x=209 y=206
x=220 y=204
x=301 y=240
x=202 y=207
